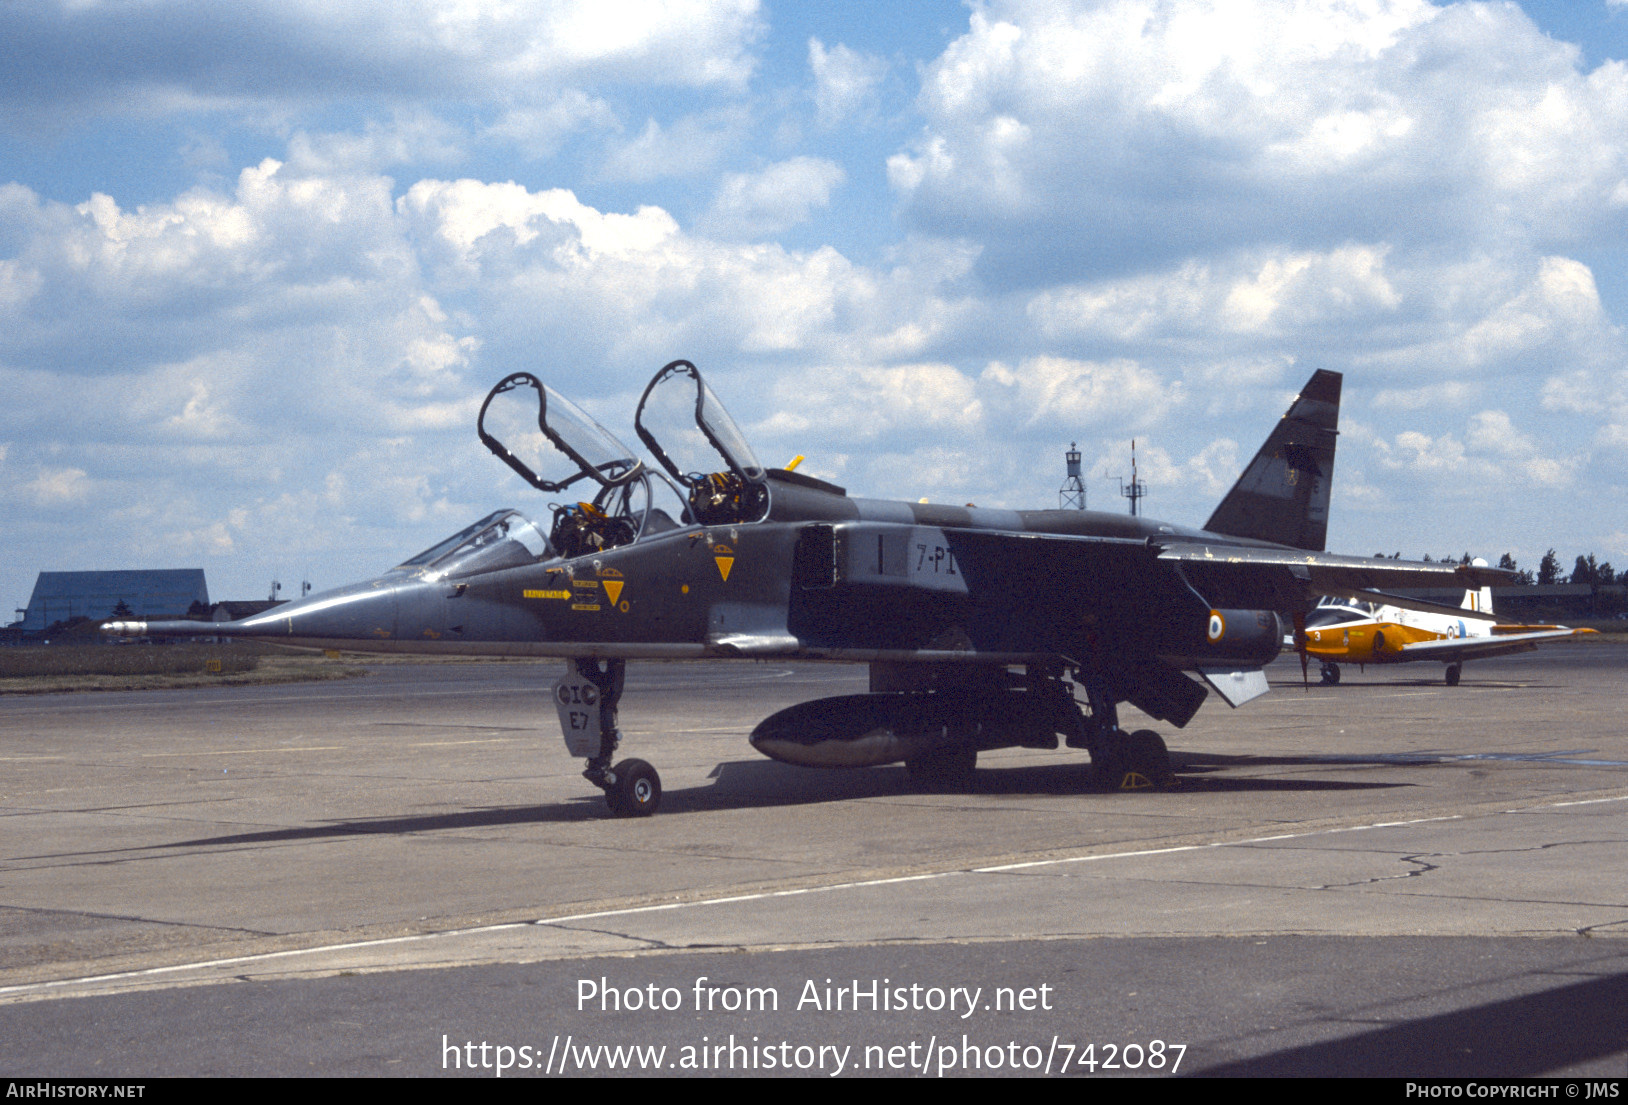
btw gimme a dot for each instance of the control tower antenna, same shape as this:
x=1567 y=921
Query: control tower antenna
x=1136 y=490
x=1071 y=496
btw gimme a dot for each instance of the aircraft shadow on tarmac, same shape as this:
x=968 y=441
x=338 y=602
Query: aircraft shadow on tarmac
x=1516 y=1038
x=754 y=784
x=1357 y=685
x=764 y=783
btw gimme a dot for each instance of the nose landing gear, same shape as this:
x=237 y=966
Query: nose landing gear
x=586 y=698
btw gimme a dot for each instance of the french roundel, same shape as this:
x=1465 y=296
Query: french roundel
x=1218 y=625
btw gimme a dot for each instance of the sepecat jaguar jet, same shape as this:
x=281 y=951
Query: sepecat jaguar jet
x=983 y=628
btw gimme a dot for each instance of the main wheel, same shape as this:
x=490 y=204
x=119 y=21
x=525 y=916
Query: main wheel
x=1453 y=672
x=1330 y=674
x=637 y=790
x=949 y=768
x=1139 y=762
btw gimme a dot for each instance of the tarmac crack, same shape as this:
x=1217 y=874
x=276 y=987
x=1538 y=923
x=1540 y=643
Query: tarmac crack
x=648 y=941
x=1423 y=867
x=94 y=915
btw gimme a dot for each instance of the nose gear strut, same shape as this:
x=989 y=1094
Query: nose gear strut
x=588 y=703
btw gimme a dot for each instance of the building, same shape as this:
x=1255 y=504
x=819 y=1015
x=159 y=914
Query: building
x=156 y=593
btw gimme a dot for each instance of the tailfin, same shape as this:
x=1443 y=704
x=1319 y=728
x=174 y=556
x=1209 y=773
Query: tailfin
x=1478 y=601
x=1282 y=496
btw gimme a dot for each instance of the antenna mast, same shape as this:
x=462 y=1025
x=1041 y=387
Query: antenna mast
x=1136 y=490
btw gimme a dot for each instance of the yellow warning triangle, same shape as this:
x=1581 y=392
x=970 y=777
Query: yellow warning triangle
x=613 y=588
x=724 y=564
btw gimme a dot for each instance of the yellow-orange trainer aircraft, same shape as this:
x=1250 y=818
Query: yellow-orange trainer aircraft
x=1344 y=631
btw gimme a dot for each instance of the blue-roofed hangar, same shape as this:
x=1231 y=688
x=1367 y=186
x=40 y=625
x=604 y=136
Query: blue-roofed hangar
x=156 y=593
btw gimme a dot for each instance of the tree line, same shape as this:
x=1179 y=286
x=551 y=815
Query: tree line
x=1587 y=569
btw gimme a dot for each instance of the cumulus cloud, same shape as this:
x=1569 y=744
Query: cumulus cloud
x=1490 y=452
x=415 y=137
x=911 y=402
x=845 y=81
x=689 y=147
x=1453 y=393
x=1133 y=217
x=779 y=196
x=309 y=345
x=1267 y=295
x=1206 y=475
x=60 y=486
x=540 y=129
x=1599 y=395
x=70 y=60
x=1086 y=138
x=1070 y=392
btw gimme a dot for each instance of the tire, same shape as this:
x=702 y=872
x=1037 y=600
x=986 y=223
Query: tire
x=1330 y=674
x=1139 y=762
x=1453 y=673
x=637 y=790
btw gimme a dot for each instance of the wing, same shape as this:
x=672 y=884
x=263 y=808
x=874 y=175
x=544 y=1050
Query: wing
x=1287 y=579
x=1476 y=648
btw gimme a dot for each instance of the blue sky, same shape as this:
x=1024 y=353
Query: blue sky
x=259 y=262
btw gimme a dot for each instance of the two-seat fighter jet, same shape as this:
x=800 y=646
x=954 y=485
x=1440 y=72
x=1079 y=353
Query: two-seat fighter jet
x=983 y=628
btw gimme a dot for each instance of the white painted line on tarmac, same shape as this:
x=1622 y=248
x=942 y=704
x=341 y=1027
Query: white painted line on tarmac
x=43 y=988
x=243 y=751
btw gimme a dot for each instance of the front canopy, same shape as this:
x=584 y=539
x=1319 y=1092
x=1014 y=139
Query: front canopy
x=503 y=539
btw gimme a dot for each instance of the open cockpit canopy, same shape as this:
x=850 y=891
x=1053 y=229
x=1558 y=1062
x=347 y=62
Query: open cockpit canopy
x=553 y=444
x=693 y=437
x=548 y=440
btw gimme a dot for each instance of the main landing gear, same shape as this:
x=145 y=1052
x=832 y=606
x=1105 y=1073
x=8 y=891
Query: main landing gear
x=1453 y=673
x=586 y=699
x=1330 y=673
x=1121 y=761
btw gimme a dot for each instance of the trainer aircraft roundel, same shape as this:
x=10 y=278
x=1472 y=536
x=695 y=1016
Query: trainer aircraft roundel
x=983 y=628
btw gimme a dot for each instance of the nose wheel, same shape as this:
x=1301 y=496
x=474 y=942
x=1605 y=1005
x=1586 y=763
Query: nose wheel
x=634 y=789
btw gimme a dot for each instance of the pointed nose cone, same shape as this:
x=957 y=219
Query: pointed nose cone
x=367 y=611
x=359 y=612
